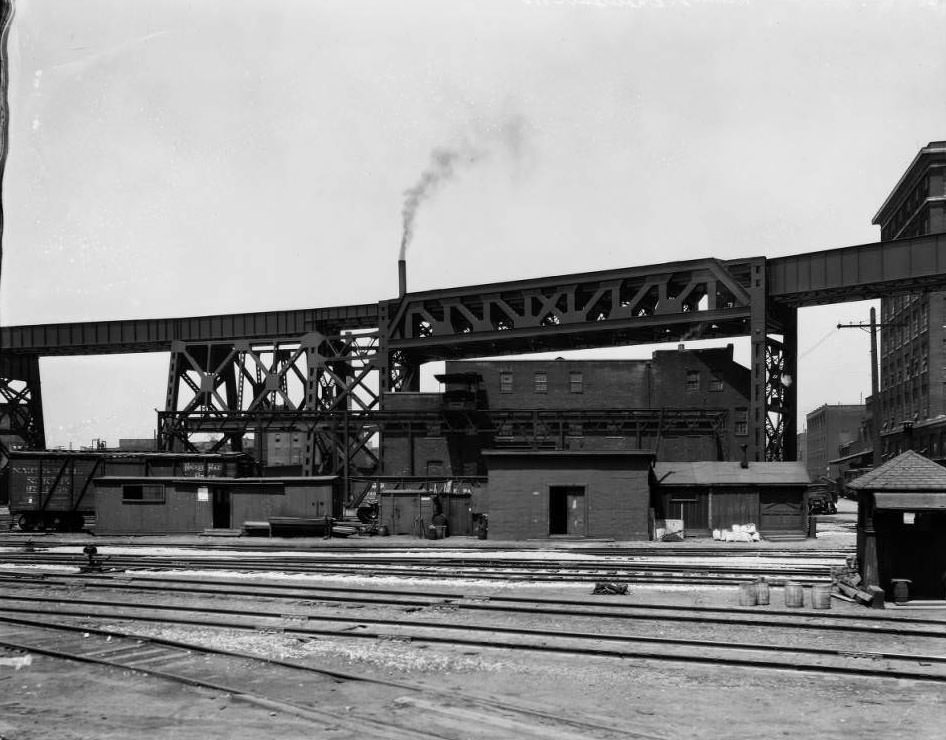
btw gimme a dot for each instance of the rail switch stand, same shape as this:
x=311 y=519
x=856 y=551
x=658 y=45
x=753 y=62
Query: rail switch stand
x=94 y=565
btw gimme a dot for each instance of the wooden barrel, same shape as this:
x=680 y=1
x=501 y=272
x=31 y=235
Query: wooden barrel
x=747 y=594
x=821 y=597
x=794 y=595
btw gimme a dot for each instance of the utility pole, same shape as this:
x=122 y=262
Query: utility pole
x=872 y=327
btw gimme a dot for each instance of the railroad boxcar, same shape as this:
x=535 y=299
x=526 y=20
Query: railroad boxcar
x=53 y=489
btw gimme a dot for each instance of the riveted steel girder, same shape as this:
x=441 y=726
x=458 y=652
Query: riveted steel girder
x=309 y=383
x=697 y=299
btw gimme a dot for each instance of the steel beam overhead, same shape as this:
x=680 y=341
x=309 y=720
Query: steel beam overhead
x=814 y=278
x=157 y=335
x=670 y=302
x=859 y=273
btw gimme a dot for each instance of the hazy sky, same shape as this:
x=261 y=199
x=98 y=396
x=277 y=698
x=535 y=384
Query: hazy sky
x=176 y=158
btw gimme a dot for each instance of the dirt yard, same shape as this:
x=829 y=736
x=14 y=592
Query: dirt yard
x=46 y=699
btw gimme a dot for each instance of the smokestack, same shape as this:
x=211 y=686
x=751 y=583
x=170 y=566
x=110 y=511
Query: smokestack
x=401 y=278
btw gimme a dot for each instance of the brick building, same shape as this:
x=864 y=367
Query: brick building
x=563 y=493
x=912 y=357
x=831 y=432
x=590 y=405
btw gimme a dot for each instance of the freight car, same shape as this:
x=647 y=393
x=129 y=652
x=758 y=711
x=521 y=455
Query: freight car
x=53 y=489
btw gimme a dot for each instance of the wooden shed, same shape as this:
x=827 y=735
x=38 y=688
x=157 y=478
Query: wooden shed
x=170 y=505
x=718 y=495
x=901 y=525
x=411 y=511
x=565 y=493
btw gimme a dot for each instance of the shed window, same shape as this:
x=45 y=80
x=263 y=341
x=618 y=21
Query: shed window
x=693 y=380
x=541 y=383
x=716 y=383
x=576 y=383
x=505 y=382
x=142 y=494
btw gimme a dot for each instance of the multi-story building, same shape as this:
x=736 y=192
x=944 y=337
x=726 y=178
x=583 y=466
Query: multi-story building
x=833 y=431
x=683 y=404
x=912 y=352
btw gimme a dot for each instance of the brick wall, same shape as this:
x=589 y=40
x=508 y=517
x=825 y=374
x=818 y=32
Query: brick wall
x=616 y=492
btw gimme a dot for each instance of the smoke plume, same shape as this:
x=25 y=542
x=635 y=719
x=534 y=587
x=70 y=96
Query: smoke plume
x=445 y=162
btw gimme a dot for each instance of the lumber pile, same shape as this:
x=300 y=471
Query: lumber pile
x=847 y=581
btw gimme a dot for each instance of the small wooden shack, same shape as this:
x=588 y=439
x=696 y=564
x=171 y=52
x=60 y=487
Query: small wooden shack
x=567 y=493
x=718 y=495
x=171 y=505
x=412 y=511
x=901 y=526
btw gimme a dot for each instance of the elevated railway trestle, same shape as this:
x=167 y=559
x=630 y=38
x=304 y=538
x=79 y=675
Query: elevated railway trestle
x=325 y=371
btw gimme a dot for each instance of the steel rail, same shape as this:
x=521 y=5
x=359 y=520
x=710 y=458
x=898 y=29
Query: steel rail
x=702 y=651
x=263 y=543
x=277 y=586
x=522 y=605
x=538 y=571
x=488 y=703
x=304 y=558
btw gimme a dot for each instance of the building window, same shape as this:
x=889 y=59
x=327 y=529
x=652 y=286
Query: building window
x=716 y=383
x=742 y=422
x=505 y=382
x=576 y=383
x=693 y=380
x=142 y=494
x=541 y=383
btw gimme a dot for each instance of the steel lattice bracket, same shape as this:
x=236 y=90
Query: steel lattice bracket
x=21 y=402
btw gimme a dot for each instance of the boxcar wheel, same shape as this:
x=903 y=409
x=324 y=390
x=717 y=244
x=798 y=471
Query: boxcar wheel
x=26 y=522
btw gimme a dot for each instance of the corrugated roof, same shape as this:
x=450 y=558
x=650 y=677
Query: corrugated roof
x=711 y=473
x=911 y=501
x=909 y=471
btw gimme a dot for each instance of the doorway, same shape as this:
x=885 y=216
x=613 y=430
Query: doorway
x=567 y=510
x=221 y=509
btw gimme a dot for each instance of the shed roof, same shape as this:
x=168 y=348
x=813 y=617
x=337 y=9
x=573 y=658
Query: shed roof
x=201 y=481
x=567 y=453
x=708 y=473
x=911 y=501
x=909 y=471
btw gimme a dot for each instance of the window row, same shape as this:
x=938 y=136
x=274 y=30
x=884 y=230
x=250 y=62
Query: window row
x=540 y=382
x=694 y=381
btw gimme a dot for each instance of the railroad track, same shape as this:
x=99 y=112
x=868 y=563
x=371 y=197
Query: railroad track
x=388 y=709
x=511 y=569
x=731 y=549
x=439 y=624
x=866 y=622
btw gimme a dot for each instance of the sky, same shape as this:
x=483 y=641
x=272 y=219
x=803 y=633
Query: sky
x=179 y=158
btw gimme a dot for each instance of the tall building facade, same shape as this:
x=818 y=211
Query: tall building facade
x=912 y=404
x=830 y=432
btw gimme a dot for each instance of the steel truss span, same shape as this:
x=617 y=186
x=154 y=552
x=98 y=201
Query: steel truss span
x=334 y=363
